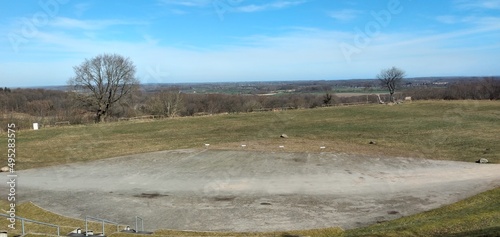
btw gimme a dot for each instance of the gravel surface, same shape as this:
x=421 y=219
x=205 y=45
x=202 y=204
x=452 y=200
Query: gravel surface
x=237 y=190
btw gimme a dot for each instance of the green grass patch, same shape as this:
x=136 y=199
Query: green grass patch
x=475 y=216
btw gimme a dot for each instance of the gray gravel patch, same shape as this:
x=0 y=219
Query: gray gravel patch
x=223 y=190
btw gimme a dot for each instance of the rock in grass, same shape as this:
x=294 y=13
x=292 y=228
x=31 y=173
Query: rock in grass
x=284 y=136
x=482 y=161
x=4 y=169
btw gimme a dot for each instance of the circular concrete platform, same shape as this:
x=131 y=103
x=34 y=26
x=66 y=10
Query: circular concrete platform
x=224 y=190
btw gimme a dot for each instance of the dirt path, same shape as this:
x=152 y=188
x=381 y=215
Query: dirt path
x=252 y=191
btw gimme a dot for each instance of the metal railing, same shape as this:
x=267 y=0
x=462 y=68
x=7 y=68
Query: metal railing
x=136 y=223
x=32 y=221
x=87 y=218
x=103 y=223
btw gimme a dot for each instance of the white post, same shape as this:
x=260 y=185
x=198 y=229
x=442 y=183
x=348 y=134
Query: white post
x=35 y=126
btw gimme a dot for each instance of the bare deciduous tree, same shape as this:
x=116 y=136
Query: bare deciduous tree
x=167 y=102
x=391 y=78
x=102 y=81
x=327 y=99
x=490 y=88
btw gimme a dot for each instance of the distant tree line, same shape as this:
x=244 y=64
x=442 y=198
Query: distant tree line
x=5 y=89
x=172 y=103
x=481 y=89
x=48 y=107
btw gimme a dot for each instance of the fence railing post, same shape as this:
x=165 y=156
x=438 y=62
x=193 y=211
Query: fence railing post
x=103 y=223
x=22 y=224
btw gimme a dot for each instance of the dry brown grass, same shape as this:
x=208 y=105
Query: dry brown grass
x=33 y=212
x=449 y=130
x=314 y=146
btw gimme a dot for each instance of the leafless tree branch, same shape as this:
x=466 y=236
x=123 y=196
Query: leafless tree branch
x=104 y=80
x=391 y=78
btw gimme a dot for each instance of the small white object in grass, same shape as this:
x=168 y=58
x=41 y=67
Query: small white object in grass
x=322 y=147
x=243 y=145
x=207 y=145
x=282 y=146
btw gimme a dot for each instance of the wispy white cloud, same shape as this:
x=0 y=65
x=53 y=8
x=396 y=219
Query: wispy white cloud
x=228 y=5
x=488 y=22
x=71 y=23
x=81 y=8
x=478 y=4
x=468 y=46
x=345 y=14
x=444 y=39
x=178 y=12
x=448 y=19
x=481 y=23
x=298 y=55
x=268 y=6
x=184 y=7
x=186 y=3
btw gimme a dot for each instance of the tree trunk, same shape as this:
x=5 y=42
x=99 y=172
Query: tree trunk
x=100 y=116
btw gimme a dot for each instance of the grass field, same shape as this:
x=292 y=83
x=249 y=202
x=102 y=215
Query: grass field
x=447 y=130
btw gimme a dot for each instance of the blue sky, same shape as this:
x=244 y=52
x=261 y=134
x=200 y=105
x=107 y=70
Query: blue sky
x=175 y=41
